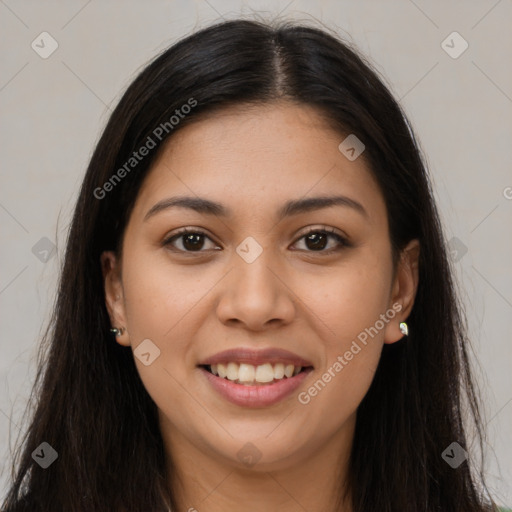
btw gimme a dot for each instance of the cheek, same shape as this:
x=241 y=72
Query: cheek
x=161 y=300
x=160 y=297
x=163 y=305
x=347 y=306
x=335 y=395
x=347 y=300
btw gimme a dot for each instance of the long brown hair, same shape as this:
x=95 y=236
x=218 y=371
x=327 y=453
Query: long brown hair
x=89 y=402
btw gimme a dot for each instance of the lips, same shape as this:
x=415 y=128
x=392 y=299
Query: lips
x=256 y=357
x=255 y=378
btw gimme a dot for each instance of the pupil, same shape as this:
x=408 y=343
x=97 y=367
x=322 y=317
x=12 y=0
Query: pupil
x=194 y=239
x=313 y=237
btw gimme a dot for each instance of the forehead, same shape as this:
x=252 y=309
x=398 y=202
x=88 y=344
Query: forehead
x=256 y=158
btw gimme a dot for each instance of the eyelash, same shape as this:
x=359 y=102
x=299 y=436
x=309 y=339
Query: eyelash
x=343 y=242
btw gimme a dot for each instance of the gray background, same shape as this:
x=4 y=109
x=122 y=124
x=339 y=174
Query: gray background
x=53 y=110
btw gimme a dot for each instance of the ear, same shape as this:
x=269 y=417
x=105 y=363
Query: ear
x=114 y=295
x=404 y=290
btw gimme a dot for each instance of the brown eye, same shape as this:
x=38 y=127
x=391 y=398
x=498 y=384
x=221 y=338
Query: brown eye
x=317 y=240
x=193 y=241
x=188 y=241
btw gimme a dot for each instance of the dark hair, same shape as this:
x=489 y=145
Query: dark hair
x=90 y=403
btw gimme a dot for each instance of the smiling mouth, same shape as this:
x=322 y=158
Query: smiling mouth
x=252 y=375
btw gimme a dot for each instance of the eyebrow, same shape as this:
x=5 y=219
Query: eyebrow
x=290 y=208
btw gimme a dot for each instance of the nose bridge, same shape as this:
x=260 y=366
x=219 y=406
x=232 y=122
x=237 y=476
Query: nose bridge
x=253 y=267
x=255 y=293
x=252 y=273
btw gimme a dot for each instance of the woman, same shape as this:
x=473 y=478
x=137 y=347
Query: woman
x=256 y=299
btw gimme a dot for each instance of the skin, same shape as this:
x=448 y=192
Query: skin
x=193 y=305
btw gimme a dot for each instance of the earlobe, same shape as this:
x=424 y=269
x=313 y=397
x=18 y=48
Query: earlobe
x=114 y=296
x=404 y=290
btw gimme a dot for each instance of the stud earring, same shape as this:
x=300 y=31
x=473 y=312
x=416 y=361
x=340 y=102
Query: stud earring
x=404 y=329
x=117 y=331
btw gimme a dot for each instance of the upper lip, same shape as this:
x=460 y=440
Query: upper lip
x=256 y=357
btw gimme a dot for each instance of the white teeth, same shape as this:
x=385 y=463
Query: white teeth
x=246 y=373
x=232 y=371
x=264 y=373
x=278 y=371
x=222 y=370
x=288 y=370
x=249 y=374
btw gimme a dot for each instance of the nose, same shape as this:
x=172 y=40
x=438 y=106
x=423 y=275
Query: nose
x=256 y=295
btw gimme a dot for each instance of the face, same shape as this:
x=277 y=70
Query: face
x=263 y=324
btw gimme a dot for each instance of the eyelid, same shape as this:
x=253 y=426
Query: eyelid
x=323 y=228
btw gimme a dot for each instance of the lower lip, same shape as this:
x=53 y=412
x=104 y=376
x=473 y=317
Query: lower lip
x=256 y=396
